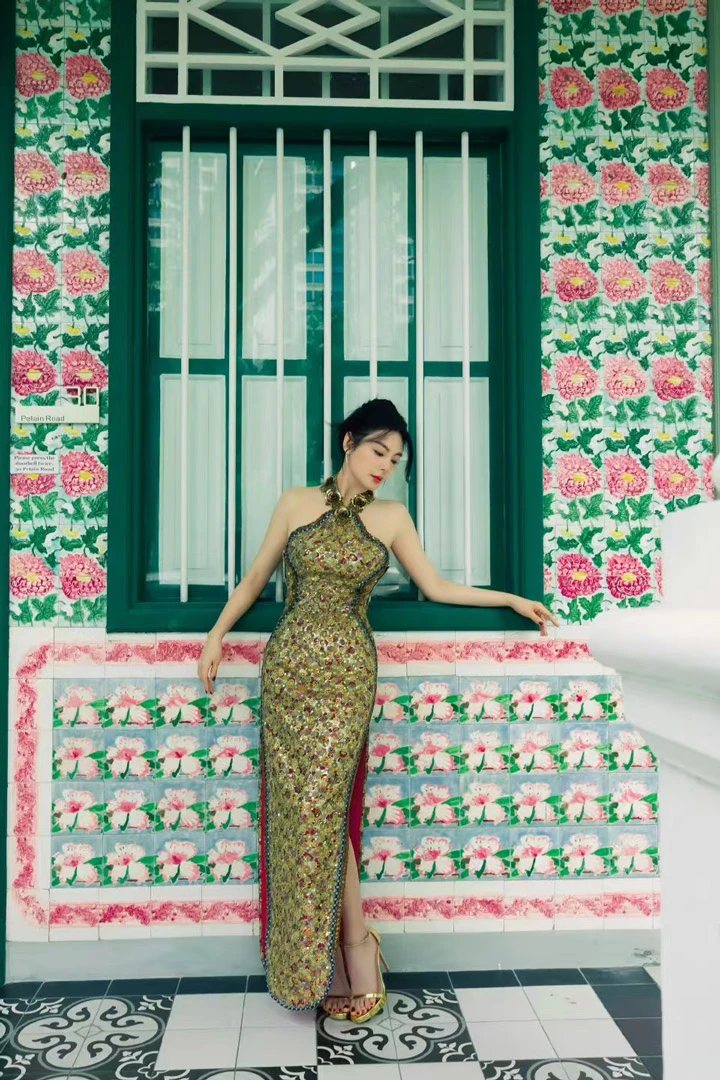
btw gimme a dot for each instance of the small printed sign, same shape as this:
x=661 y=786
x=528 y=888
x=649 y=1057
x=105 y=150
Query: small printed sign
x=81 y=406
x=57 y=414
x=34 y=464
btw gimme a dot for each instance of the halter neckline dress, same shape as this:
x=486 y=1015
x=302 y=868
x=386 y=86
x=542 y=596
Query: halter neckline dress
x=318 y=686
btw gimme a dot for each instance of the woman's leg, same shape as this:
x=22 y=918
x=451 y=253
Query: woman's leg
x=352 y=929
x=361 y=962
x=338 y=996
x=353 y=921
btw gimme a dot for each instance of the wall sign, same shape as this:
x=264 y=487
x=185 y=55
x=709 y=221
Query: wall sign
x=34 y=464
x=81 y=407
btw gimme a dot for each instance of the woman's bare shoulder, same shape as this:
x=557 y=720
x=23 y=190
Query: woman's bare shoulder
x=300 y=495
x=385 y=518
x=302 y=504
x=391 y=508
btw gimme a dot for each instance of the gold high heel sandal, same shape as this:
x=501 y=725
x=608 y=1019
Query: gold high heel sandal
x=379 y=997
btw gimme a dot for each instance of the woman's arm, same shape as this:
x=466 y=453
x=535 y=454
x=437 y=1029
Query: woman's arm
x=246 y=593
x=409 y=551
x=261 y=570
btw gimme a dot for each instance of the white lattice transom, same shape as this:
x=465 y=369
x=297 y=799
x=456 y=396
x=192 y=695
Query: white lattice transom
x=394 y=53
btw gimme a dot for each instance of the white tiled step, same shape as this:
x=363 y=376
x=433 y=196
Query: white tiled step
x=510 y=1040
x=262 y=1011
x=226 y=1031
x=500 y=1004
x=587 y=1038
x=278 y=1045
x=566 y=1003
x=388 y=1071
x=539 y=1022
x=434 y=1070
x=206 y=1011
x=199 y=1048
x=219 y=1031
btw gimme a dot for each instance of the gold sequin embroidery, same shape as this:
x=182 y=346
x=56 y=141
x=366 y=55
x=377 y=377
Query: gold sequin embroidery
x=319 y=679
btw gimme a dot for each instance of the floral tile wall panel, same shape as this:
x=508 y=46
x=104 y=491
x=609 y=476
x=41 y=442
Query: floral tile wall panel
x=625 y=291
x=510 y=778
x=60 y=307
x=489 y=803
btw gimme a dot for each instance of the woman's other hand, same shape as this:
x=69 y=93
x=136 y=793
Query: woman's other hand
x=536 y=612
x=209 y=662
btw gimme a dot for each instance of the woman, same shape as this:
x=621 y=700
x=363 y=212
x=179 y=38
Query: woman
x=319 y=676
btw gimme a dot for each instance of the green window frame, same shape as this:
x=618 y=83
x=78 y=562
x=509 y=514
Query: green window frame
x=509 y=141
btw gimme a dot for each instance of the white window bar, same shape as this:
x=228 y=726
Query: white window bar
x=286 y=62
x=384 y=39
x=345 y=53
x=509 y=53
x=141 y=67
x=419 y=332
x=266 y=25
x=220 y=26
x=373 y=266
x=185 y=364
x=183 y=48
x=469 y=54
x=232 y=358
x=465 y=151
x=279 y=319
x=327 y=304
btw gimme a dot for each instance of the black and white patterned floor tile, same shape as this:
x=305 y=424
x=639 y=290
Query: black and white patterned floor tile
x=115 y=1031
x=415 y=1026
x=135 y=1068
x=102 y=1038
x=590 y=1069
x=12 y=1011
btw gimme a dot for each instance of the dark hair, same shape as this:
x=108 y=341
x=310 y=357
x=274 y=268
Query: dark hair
x=377 y=416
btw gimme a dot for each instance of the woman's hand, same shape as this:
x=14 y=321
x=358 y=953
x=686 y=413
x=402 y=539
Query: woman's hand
x=535 y=611
x=209 y=661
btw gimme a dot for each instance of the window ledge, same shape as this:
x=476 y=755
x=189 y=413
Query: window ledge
x=384 y=615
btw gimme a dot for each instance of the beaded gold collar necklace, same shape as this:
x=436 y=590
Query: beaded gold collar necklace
x=334 y=499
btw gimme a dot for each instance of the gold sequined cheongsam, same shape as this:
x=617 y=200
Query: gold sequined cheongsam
x=319 y=678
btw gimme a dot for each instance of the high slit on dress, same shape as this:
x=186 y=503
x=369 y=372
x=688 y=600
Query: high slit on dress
x=319 y=679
